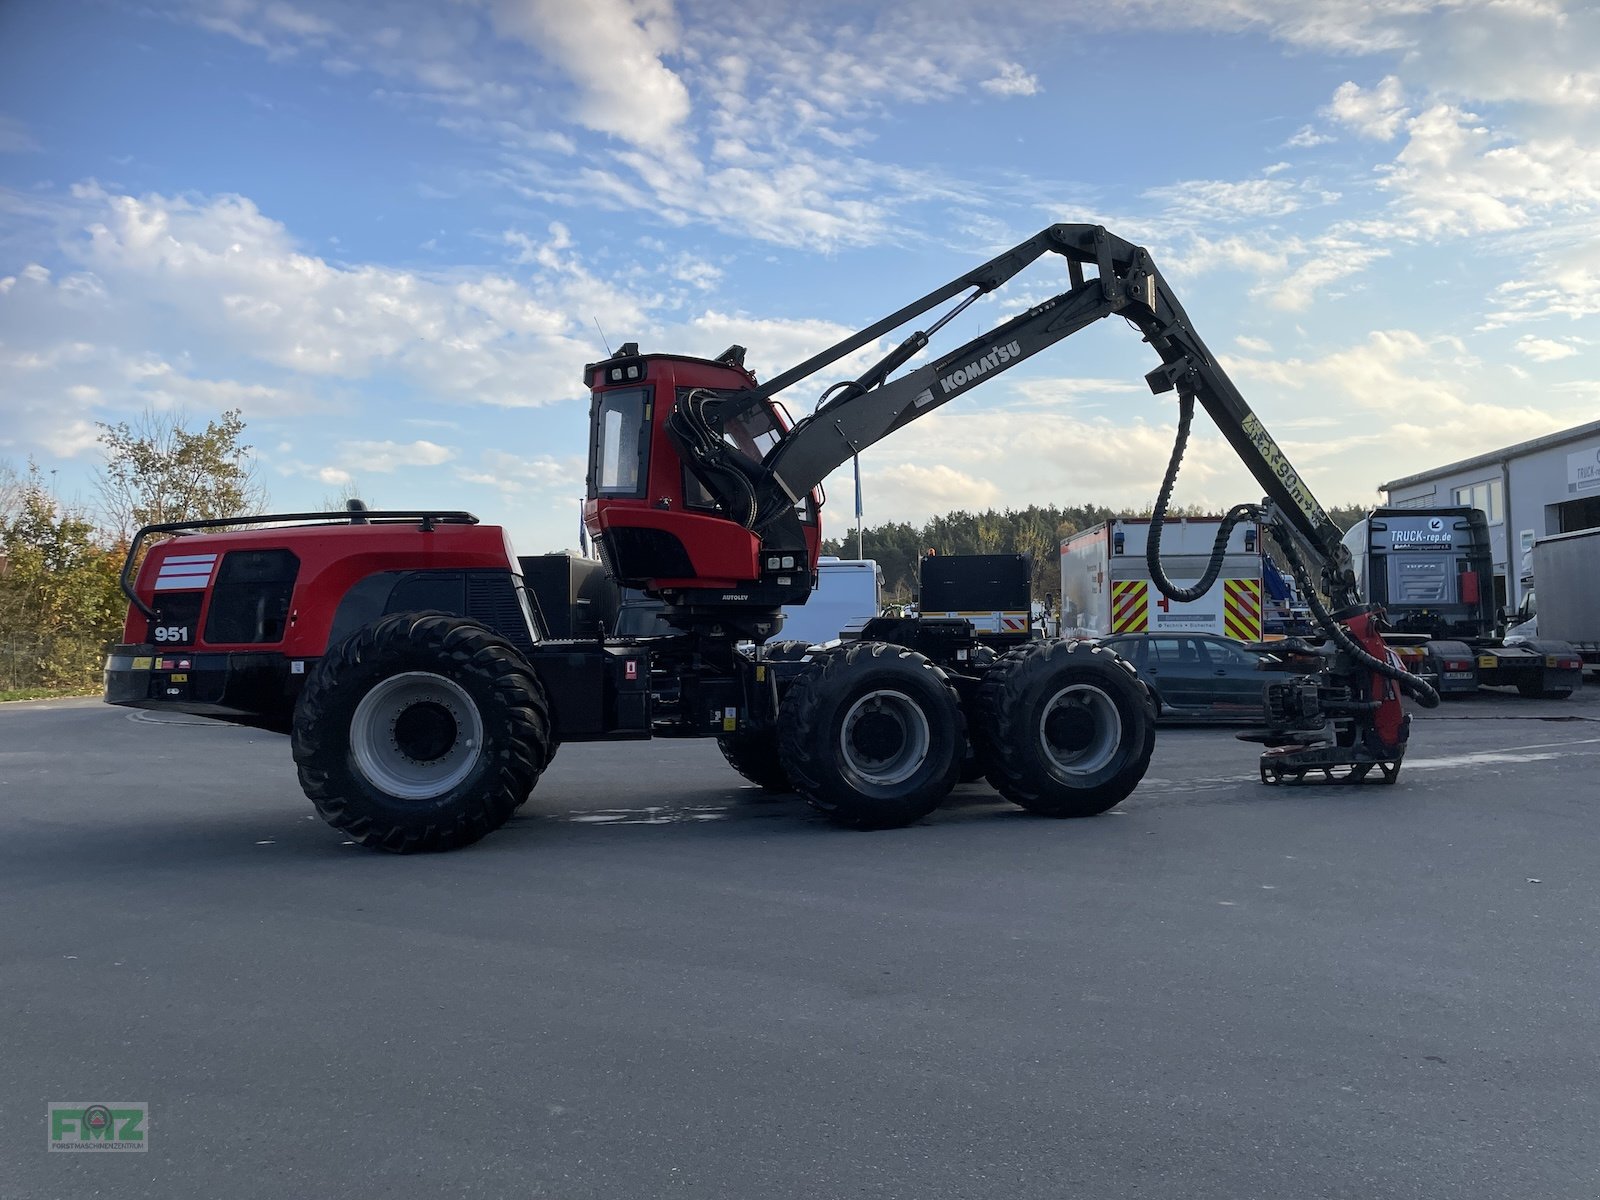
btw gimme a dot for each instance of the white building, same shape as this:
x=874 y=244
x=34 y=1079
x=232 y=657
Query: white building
x=1528 y=491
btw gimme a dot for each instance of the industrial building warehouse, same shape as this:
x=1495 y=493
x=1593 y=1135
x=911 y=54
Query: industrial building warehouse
x=1528 y=491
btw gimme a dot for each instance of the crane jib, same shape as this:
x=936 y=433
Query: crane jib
x=1286 y=474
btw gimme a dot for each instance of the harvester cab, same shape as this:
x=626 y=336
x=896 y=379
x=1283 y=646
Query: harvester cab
x=652 y=510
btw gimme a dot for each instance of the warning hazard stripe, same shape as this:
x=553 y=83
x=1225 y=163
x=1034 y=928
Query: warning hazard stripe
x=1241 y=609
x=1130 y=612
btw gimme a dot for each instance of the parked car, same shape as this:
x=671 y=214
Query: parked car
x=1197 y=676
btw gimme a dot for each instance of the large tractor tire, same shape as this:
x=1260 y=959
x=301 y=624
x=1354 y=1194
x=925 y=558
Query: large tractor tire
x=754 y=753
x=1067 y=728
x=872 y=735
x=422 y=731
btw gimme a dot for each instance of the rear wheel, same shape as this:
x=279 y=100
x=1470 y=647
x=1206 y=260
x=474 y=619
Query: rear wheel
x=423 y=731
x=872 y=735
x=754 y=752
x=1534 y=692
x=1068 y=729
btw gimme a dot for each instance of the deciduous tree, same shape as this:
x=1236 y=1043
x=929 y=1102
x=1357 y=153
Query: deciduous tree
x=60 y=604
x=158 y=469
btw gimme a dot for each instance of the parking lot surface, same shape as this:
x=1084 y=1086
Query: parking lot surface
x=658 y=982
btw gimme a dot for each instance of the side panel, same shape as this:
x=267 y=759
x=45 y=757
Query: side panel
x=992 y=591
x=596 y=692
x=1566 y=577
x=1105 y=575
x=1086 y=583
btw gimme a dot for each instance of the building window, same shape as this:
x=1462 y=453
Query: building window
x=1488 y=496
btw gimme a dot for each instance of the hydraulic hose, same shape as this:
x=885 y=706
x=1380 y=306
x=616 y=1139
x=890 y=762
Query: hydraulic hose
x=1418 y=688
x=695 y=435
x=1219 y=548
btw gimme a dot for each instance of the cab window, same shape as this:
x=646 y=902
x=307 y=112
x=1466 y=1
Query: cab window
x=619 y=457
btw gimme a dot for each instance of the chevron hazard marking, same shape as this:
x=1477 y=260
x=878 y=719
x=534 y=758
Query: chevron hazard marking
x=1241 y=609
x=1130 y=608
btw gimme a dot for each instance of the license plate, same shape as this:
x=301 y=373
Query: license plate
x=1458 y=674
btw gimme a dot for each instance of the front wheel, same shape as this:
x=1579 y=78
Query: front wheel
x=1068 y=729
x=872 y=735
x=423 y=731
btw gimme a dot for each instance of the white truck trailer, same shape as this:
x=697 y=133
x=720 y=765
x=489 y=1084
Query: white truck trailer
x=1565 y=594
x=1106 y=586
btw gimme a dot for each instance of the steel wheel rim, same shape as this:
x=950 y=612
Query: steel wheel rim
x=872 y=721
x=397 y=726
x=1080 y=730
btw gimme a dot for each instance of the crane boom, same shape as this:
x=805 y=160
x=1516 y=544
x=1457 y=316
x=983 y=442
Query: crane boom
x=861 y=412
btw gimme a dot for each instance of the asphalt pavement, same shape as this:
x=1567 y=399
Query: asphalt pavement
x=656 y=982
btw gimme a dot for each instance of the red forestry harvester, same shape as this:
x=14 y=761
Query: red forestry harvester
x=415 y=671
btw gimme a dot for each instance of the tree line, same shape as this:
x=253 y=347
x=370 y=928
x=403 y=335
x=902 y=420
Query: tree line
x=1038 y=530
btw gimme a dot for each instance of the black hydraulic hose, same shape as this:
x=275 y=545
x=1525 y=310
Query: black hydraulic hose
x=1219 y=548
x=1419 y=688
x=687 y=420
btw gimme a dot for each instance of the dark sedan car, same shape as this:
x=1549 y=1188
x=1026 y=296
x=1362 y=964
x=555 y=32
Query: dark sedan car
x=1196 y=676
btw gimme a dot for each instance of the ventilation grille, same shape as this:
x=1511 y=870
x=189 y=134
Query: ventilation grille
x=492 y=600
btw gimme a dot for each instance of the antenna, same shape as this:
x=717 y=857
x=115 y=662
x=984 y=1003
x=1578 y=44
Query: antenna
x=602 y=334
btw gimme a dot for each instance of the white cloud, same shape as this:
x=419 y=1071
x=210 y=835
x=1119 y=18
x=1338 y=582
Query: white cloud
x=1290 y=273
x=296 y=21
x=776 y=345
x=1458 y=175
x=70 y=438
x=1208 y=202
x=1545 y=349
x=229 y=273
x=516 y=476
x=1013 y=80
x=1306 y=137
x=914 y=488
x=1431 y=399
x=1376 y=113
x=612 y=50
x=387 y=456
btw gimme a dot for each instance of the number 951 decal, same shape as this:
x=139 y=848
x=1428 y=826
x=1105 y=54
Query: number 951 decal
x=170 y=634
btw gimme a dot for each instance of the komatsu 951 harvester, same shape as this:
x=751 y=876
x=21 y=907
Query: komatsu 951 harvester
x=414 y=671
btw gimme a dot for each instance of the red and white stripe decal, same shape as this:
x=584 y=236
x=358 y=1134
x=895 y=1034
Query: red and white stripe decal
x=185 y=571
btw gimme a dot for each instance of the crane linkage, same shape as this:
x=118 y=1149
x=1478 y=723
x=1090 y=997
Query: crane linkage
x=1350 y=680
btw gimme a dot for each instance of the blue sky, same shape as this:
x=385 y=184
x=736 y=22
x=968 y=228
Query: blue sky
x=387 y=231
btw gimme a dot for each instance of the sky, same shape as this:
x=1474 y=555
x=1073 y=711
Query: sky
x=393 y=233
